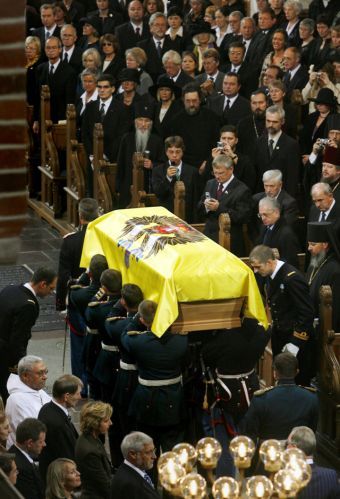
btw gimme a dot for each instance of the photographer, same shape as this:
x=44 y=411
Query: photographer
x=244 y=169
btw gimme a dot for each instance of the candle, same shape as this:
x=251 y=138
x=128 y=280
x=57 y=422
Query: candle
x=242 y=450
x=193 y=488
x=208 y=451
x=259 y=489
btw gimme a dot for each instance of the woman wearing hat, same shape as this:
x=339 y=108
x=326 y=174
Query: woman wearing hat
x=91 y=33
x=167 y=94
x=324 y=78
x=203 y=38
x=107 y=17
x=314 y=125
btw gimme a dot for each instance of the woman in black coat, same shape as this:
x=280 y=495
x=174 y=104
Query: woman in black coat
x=166 y=92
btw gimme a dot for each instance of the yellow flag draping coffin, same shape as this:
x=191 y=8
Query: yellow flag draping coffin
x=170 y=261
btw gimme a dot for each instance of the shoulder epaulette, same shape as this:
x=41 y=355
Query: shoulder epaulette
x=31 y=301
x=291 y=273
x=69 y=234
x=134 y=333
x=264 y=390
x=309 y=388
x=93 y=304
x=115 y=318
x=77 y=286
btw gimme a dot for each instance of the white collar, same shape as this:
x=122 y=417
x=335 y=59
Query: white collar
x=50 y=30
x=140 y=26
x=225 y=184
x=279 y=264
x=55 y=65
x=69 y=52
x=294 y=71
x=156 y=41
x=329 y=209
x=106 y=103
x=214 y=76
x=275 y=138
x=61 y=407
x=25 y=454
x=174 y=78
x=231 y=99
x=141 y=472
x=29 y=286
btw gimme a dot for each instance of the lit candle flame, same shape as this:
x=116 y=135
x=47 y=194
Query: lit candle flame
x=287 y=483
x=208 y=451
x=272 y=453
x=193 y=488
x=225 y=490
x=242 y=450
x=183 y=457
x=259 y=489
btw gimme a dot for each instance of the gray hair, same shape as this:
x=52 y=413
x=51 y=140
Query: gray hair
x=272 y=203
x=276 y=110
x=262 y=254
x=321 y=187
x=173 y=56
x=138 y=54
x=155 y=16
x=304 y=439
x=248 y=19
x=223 y=160
x=134 y=441
x=272 y=175
x=297 y=6
x=236 y=13
x=27 y=363
x=308 y=23
x=66 y=26
x=89 y=72
x=88 y=209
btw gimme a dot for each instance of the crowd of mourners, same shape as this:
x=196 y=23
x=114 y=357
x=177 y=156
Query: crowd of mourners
x=244 y=111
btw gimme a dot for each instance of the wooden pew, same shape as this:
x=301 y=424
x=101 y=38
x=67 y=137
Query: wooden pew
x=140 y=198
x=104 y=174
x=328 y=378
x=75 y=167
x=53 y=148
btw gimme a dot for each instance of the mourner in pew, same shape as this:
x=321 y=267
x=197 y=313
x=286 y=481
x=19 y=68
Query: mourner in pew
x=272 y=183
x=71 y=53
x=276 y=410
x=143 y=141
x=291 y=307
x=331 y=170
x=89 y=78
x=324 y=266
x=325 y=481
x=111 y=114
x=324 y=208
x=165 y=176
x=61 y=79
x=276 y=233
x=229 y=360
x=71 y=248
x=226 y=194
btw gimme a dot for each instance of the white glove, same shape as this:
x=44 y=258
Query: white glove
x=293 y=349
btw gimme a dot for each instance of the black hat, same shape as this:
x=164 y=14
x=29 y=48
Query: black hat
x=332 y=123
x=202 y=27
x=128 y=74
x=325 y=96
x=175 y=11
x=318 y=232
x=94 y=21
x=145 y=110
x=165 y=81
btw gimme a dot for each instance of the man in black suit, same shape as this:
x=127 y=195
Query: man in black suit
x=324 y=482
x=273 y=150
x=231 y=107
x=296 y=77
x=247 y=33
x=19 y=310
x=324 y=207
x=61 y=434
x=111 y=113
x=164 y=178
x=234 y=25
x=132 y=479
x=331 y=170
x=71 y=249
x=61 y=79
x=49 y=27
x=131 y=33
x=276 y=233
x=272 y=183
x=71 y=53
x=226 y=194
x=30 y=441
x=261 y=44
x=211 y=80
x=172 y=63
x=157 y=45
x=143 y=141
x=246 y=71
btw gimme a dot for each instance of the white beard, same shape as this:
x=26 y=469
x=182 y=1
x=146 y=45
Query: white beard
x=142 y=138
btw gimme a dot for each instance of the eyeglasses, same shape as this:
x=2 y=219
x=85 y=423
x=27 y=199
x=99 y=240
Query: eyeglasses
x=42 y=372
x=103 y=86
x=264 y=215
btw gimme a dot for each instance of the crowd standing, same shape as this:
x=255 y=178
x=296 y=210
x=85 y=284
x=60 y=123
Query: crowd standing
x=243 y=110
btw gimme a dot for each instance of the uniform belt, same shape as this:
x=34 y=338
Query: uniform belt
x=110 y=348
x=160 y=382
x=127 y=367
x=91 y=331
x=240 y=377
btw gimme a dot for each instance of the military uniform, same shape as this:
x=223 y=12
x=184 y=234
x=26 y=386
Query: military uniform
x=158 y=403
x=231 y=356
x=328 y=273
x=275 y=411
x=292 y=314
x=19 y=310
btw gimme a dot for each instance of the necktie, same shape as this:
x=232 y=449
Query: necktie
x=267 y=235
x=102 y=111
x=271 y=146
x=323 y=216
x=211 y=78
x=66 y=57
x=48 y=34
x=178 y=174
x=148 y=480
x=51 y=70
x=138 y=31
x=159 y=49
x=227 y=105
x=219 y=191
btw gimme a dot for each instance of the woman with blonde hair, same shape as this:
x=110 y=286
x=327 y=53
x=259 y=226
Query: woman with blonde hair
x=91 y=457
x=5 y=430
x=33 y=53
x=62 y=480
x=136 y=58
